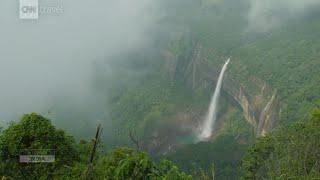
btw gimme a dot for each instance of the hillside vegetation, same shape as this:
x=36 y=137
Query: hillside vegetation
x=151 y=103
x=290 y=153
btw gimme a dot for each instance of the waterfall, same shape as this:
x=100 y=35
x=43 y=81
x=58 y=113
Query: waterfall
x=263 y=116
x=210 y=119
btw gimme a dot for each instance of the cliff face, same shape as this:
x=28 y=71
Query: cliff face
x=260 y=109
x=259 y=103
x=261 y=106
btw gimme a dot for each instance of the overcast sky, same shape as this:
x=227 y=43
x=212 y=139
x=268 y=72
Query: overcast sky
x=52 y=56
x=265 y=15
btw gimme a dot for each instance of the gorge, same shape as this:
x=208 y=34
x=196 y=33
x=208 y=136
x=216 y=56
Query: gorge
x=210 y=120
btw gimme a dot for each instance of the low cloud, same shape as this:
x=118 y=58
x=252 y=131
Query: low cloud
x=52 y=58
x=265 y=15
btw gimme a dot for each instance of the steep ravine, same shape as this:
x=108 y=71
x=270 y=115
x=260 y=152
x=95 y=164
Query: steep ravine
x=260 y=107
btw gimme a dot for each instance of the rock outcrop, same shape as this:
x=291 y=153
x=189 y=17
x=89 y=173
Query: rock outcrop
x=261 y=108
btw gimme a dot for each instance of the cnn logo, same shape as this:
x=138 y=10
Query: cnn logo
x=29 y=9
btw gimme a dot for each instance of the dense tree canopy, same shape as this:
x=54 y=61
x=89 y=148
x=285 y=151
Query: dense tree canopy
x=34 y=132
x=289 y=153
x=125 y=163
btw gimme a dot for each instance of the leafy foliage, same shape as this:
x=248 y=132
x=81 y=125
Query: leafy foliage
x=71 y=160
x=287 y=58
x=34 y=132
x=225 y=152
x=288 y=153
x=125 y=163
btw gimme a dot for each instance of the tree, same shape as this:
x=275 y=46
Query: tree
x=291 y=152
x=125 y=163
x=34 y=132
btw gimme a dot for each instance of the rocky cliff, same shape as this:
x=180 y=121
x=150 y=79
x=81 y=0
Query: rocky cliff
x=260 y=107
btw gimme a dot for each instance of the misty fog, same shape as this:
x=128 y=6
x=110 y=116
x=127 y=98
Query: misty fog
x=52 y=58
x=51 y=61
x=265 y=15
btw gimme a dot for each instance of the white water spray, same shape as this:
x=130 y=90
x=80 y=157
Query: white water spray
x=209 y=122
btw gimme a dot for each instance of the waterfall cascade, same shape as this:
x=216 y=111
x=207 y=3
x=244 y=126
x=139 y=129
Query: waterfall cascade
x=210 y=119
x=263 y=116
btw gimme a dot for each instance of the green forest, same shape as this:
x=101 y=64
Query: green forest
x=289 y=152
x=140 y=115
